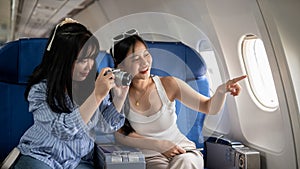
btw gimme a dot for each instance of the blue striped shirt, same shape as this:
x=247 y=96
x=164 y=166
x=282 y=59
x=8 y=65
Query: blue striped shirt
x=61 y=140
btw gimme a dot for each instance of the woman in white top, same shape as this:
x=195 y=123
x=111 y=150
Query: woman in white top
x=151 y=119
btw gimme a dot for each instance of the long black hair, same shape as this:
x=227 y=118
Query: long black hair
x=64 y=45
x=119 y=52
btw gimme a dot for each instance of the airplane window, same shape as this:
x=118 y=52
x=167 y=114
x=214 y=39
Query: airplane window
x=259 y=72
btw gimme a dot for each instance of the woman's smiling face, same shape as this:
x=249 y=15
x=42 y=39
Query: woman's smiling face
x=138 y=63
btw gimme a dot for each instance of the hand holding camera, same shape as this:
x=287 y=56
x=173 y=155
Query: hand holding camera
x=121 y=78
x=122 y=81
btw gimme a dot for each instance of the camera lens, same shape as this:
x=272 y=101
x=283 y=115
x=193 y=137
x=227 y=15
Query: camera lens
x=126 y=80
x=122 y=78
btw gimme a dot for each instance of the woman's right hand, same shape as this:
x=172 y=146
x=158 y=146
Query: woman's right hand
x=104 y=82
x=169 y=149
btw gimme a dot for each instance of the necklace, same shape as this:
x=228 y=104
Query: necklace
x=137 y=103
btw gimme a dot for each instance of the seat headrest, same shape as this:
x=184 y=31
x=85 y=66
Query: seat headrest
x=104 y=60
x=19 y=58
x=195 y=63
x=169 y=58
x=173 y=57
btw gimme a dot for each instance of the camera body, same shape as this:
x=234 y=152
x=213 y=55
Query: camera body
x=121 y=78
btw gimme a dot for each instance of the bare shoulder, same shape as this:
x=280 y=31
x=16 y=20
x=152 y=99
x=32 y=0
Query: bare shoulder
x=168 y=81
x=170 y=85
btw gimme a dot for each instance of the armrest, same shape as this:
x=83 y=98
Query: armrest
x=10 y=159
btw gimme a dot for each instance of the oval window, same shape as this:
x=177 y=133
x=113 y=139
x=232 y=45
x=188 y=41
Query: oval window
x=259 y=72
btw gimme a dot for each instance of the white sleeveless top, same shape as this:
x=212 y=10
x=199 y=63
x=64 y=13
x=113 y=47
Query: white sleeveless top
x=161 y=125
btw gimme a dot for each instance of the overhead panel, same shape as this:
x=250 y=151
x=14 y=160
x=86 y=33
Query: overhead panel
x=36 y=18
x=5 y=13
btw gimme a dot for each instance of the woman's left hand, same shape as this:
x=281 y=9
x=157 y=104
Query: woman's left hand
x=233 y=87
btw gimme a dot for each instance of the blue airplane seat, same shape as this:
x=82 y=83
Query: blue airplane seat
x=170 y=58
x=104 y=60
x=196 y=78
x=179 y=60
x=19 y=58
x=17 y=61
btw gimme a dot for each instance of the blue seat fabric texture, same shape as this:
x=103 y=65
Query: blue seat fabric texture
x=177 y=59
x=17 y=61
x=19 y=58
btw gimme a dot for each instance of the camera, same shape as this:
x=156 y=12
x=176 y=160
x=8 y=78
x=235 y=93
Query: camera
x=121 y=78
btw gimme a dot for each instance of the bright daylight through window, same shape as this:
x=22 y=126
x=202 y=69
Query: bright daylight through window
x=259 y=72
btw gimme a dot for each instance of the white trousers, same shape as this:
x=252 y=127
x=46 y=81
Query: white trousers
x=189 y=160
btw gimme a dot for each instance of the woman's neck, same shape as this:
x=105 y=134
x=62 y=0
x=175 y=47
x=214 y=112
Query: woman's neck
x=140 y=84
x=139 y=91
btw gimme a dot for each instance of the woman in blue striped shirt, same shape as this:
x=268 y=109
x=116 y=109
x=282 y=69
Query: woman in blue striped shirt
x=68 y=103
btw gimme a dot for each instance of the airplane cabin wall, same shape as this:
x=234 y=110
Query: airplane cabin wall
x=268 y=131
x=225 y=23
x=282 y=20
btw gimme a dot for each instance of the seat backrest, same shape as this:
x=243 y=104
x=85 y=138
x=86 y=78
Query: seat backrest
x=17 y=61
x=179 y=60
x=19 y=58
